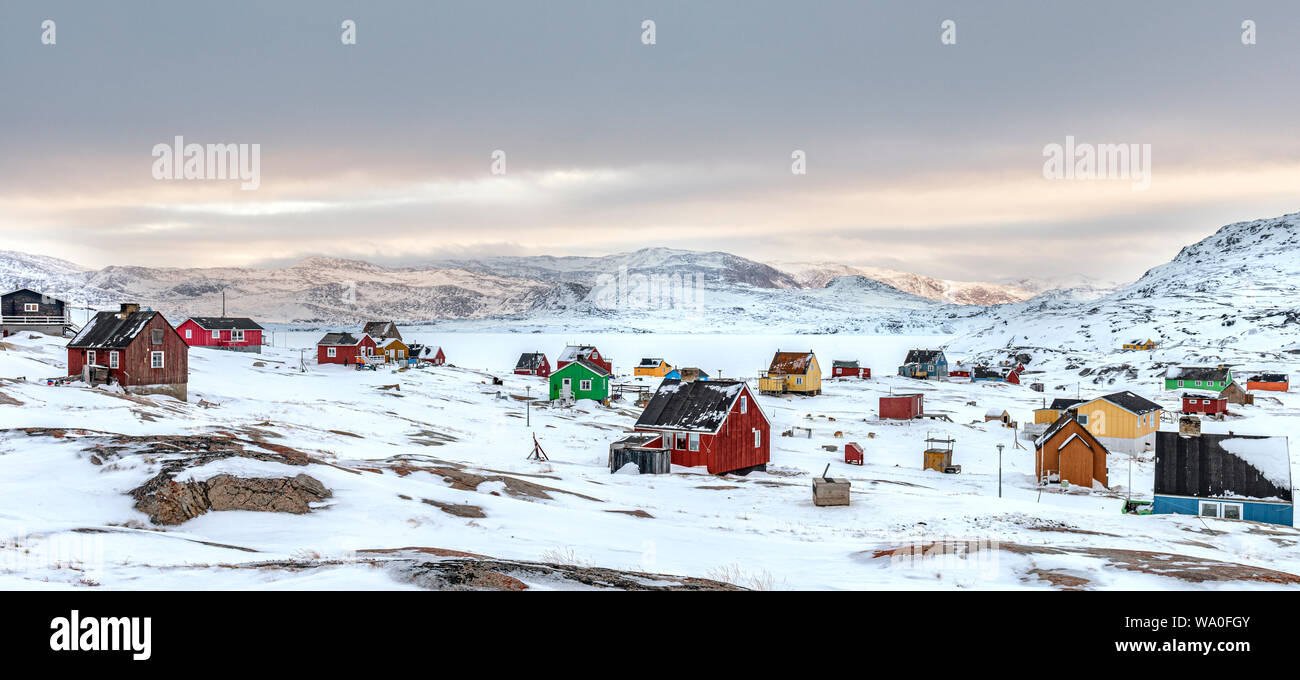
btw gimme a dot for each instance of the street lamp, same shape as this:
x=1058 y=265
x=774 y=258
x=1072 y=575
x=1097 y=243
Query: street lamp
x=1000 y=469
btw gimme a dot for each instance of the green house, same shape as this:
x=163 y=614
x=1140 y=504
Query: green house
x=1198 y=377
x=580 y=380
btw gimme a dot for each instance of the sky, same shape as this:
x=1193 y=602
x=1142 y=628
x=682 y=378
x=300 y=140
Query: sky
x=918 y=155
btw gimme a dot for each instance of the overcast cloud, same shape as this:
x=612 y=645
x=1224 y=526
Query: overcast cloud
x=920 y=156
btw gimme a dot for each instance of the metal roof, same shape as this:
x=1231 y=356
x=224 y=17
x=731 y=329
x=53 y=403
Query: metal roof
x=530 y=360
x=111 y=330
x=226 y=323
x=342 y=339
x=697 y=406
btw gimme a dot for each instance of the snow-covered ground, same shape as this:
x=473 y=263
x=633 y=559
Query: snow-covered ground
x=761 y=530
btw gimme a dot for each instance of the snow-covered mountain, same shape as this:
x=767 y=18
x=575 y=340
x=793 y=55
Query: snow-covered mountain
x=715 y=266
x=817 y=275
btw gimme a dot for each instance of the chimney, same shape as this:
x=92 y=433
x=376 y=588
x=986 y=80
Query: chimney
x=129 y=308
x=1189 y=426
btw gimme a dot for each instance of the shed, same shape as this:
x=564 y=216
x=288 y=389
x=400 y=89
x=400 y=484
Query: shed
x=997 y=414
x=717 y=424
x=902 y=406
x=643 y=449
x=846 y=368
x=1209 y=404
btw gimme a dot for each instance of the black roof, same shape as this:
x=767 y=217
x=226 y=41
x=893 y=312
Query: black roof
x=649 y=362
x=1202 y=467
x=33 y=292
x=986 y=372
x=697 y=406
x=1132 y=403
x=1198 y=373
x=343 y=339
x=1060 y=404
x=226 y=323
x=844 y=363
x=111 y=330
x=1269 y=377
x=923 y=356
x=530 y=360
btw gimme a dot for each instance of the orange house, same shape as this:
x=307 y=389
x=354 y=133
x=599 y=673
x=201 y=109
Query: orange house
x=1068 y=452
x=1269 y=382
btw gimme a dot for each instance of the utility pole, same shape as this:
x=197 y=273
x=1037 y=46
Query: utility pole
x=1000 y=470
x=528 y=404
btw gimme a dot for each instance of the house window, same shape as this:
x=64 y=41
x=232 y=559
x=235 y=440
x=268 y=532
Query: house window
x=90 y=357
x=584 y=385
x=1232 y=510
x=681 y=442
x=744 y=404
x=189 y=333
x=216 y=335
x=1180 y=383
x=237 y=335
x=30 y=307
x=758 y=438
x=1198 y=383
x=156 y=336
x=1083 y=420
x=1209 y=509
x=155 y=360
x=695 y=442
x=798 y=381
x=112 y=359
x=331 y=351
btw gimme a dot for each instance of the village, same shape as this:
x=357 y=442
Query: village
x=787 y=439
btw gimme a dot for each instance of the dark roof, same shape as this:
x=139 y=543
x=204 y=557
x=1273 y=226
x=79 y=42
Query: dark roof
x=844 y=363
x=699 y=406
x=378 y=328
x=923 y=356
x=650 y=362
x=530 y=360
x=344 y=339
x=1269 y=377
x=1197 y=373
x=1203 y=395
x=1060 y=404
x=1205 y=466
x=225 y=323
x=986 y=372
x=1132 y=403
x=110 y=330
x=33 y=292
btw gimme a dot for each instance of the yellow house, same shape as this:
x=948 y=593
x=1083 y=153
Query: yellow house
x=1049 y=414
x=652 y=366
x=1147 y=344
x=1123 y=422
x=796 y=372
x=393 y=349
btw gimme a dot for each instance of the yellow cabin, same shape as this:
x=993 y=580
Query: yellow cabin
x=1123 y=422
x=1147 y=344
x=652 y=366
x=392 y=350
x=796 y=372
x=1049 y=414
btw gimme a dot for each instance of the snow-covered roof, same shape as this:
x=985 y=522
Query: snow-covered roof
x=650 y=362
x=923 y=356
x=791 y=363
x=1268 y=455
x=574 y=352
x=1219 y=373
x=994 y=413
x=698 y=406
x=530 y=360
x=111 y=330
x=1212 y=465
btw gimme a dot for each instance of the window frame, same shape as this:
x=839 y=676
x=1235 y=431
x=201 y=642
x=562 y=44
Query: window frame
x=31 y=307
x=160 y=356
x=758 y=438
x=113 y=361
x=584 y=385
x=237 y=335
x=156 y=337
x=693 y=441
x=331 y=352
x=90 y=357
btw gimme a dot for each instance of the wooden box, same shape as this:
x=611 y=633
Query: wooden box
x=830 y=491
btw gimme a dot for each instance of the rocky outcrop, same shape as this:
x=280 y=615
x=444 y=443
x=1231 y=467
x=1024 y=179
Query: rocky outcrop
x=167 y=501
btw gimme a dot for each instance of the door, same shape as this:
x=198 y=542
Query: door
x=566 y=388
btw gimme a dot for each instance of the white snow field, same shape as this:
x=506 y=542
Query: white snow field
x=67 y=522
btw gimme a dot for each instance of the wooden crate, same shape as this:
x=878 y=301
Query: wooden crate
x=830 y=491
x=937 y=459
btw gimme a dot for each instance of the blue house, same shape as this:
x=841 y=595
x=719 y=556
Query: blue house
x=674 y=374
x=1228 y=476
x=925 y=364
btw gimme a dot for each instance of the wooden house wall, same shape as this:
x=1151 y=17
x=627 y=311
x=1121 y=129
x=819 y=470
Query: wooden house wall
x=11 y=304
x=134 y=366
x=1108 y=420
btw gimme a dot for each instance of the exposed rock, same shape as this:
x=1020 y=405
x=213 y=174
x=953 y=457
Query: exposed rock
x=170 y=502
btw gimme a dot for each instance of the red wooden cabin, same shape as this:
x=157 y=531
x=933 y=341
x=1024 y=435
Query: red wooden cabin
x=902 y=406
x=848 y=369
x=1208 y=404
x=138 y=350
x=343 y=348
x=572 y=353
x=853 y=454
x=533 y=363
x=223 y=332
x=716 y=424
x=432 y=354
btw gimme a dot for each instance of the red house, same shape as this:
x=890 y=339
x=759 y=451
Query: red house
x=533 y=363
x=137 y=350
x=848 y=369
x=716 y=424
x=902 y=406
x=343 y=348
x=1208 y=404
x=239 y=334
x=428 y=353
x=572 y=353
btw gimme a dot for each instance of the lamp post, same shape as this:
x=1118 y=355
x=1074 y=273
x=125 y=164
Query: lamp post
x=528 y=404
x=1000 y=469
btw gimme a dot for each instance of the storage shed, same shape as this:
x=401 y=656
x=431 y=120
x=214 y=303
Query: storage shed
x=902 y=406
